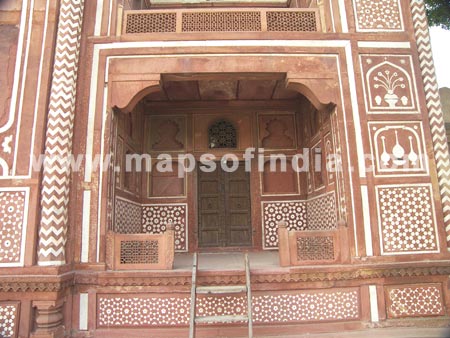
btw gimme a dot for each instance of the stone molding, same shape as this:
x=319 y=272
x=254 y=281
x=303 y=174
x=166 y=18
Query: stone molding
x=145 y=278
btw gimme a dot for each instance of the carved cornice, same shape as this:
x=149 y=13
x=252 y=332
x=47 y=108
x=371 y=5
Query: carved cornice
x=35 y=284
x=359 y=274
x=171 y=279
x=113 y=280
x=106 y=280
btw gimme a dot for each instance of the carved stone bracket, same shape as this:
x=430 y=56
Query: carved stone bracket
x=321 y=92
x=127 y=90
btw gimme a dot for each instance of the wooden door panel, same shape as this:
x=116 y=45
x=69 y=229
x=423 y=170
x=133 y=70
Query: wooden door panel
x=209 y=239
x=210 y=230
x=209 y=187
x=238 y=230
x=210 y=209
x=208 y=204
x=238 y=187
x=239 y=202
x=240 y=238
x=224 y=208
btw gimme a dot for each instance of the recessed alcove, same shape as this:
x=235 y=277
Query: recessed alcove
x=226 y=114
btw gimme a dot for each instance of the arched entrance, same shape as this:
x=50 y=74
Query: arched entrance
x=191 y=122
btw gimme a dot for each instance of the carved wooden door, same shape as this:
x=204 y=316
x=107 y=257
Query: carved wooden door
x=224 y=208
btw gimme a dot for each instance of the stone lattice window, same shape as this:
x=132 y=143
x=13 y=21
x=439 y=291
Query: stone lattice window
x=222 y=134
x=139 y=252
x=315 y=248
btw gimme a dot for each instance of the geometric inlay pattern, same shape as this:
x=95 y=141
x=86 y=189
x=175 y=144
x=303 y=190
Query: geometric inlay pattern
x=292 y=212
x=406 y=219
x=9 y=319
x=12 y=216
x=321 y=212
x=435 y=115
x=221 y=305
x=379 y=15
x=140 y=311
x=138 y=252
x=128 y=217
x=306 y=306
x=315 y=248
x=58 y=140
x=340 y=186
x=415 y=301
x=156 y=216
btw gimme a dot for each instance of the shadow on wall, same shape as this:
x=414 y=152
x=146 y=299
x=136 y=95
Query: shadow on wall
x=447 y=331
x=444 y=93
x=10 y=5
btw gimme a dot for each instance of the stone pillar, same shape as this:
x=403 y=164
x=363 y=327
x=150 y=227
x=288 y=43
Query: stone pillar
x=169 y=242
x=283 y=244
x=433 y=102
x=58 y=144
x=48 y=320
x=323 y=22
x=343 y=241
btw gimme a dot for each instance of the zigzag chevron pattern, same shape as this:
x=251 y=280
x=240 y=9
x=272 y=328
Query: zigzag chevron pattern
x=435 y=114
x=58 y=146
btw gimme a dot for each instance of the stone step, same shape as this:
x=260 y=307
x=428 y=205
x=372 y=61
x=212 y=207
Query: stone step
x=221 y=289
x=221 y=319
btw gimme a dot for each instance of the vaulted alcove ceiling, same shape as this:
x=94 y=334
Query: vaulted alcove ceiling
x=217 y=87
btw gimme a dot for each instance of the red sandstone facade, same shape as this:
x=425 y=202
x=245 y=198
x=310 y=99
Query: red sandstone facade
x=90 y=252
